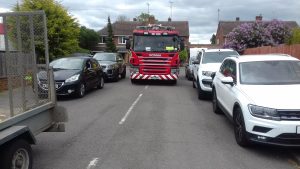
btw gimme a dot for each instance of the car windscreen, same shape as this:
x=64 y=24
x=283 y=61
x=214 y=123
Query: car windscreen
x=67 y=63
x=217 y=57
x=270 y=72
x=155 y=43
x=105 y=56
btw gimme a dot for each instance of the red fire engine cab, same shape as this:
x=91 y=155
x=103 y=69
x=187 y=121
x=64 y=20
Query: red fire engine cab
x=154 y=53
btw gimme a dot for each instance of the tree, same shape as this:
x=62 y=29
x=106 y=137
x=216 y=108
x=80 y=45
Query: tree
x=110 y=45
x=251 y=35
x=122 y=18
x=295 y=37
x=213 y=39
x=183 y=55
x=144 y=17
x=63 y=30
x=88 y=38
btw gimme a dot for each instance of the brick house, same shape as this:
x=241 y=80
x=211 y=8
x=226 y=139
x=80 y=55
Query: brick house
x=123 y=29
x=225 y=27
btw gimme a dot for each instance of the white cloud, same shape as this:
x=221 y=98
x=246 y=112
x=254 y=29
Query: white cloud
x=202 y=15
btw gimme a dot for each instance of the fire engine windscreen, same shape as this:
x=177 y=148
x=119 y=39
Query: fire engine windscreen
x=155 y=43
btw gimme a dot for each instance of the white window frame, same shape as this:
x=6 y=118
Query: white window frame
x=102 y=40
x=121 y=40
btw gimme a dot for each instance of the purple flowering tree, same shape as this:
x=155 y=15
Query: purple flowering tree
x=251 y=35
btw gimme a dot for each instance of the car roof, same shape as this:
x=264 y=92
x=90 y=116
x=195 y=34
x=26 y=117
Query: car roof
x=218 y=50
x=263 y=57
x=76 y=57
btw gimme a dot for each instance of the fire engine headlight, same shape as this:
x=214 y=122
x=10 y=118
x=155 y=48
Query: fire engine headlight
x=135 y=70
x=174 y=71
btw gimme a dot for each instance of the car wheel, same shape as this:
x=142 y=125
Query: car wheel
x=17 y=155
x=201 y=93
x=194 y=86
x=239 y=128
x=117 y=76
x=215 y=103
x=123 y=75
x=100 y=83
x=81 y=90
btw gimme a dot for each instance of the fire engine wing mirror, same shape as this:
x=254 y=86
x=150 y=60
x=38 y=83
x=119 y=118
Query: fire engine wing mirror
x=182 y=44
x=128 y=44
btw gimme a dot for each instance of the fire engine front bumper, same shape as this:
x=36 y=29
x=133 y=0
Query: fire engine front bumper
x=138 y=76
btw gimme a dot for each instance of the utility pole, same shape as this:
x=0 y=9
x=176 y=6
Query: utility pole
x=171 y=6
x=218 y=15
x=148 y=8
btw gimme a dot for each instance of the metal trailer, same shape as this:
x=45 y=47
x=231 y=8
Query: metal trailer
x=24 y=110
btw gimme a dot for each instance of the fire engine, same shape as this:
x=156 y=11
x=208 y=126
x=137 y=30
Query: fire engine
x=154 y=53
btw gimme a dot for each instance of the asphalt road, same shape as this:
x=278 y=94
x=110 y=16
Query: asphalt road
x=149 y=126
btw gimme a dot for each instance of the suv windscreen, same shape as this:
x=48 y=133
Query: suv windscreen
x=105 y=56
x=155 y=43
x=270 y=72
x=217 y=57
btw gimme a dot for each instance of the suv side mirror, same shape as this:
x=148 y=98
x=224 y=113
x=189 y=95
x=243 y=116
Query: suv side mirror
x=227 y=80
x=128 y=44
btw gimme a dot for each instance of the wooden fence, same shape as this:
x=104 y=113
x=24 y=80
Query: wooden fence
x=293 y=50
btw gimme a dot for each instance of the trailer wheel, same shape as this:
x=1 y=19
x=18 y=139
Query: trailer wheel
x=17 y=155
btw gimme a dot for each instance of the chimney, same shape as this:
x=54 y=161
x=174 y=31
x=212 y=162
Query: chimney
x=258 y=18
x=169 y=19
x=151 y=20
x=237 y=19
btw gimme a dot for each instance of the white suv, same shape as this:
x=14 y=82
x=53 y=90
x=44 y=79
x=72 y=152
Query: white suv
x=207 y=62
x=260 y=94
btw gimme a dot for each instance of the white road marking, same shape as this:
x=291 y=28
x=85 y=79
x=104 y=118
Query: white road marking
x=130 y=109
x=93 y=163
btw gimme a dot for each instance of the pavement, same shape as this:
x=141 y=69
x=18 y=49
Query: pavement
x=150 y=125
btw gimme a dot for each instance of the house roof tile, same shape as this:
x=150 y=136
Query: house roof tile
x=126 y=27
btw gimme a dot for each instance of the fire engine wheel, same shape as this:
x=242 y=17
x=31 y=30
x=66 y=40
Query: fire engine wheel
x=133 y=81
x=17 y=155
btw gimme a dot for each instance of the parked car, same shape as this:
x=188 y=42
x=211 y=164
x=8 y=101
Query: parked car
x=74 y=76
x=207 y=62
x=260 y=94
x=188 y=69
x=113 y=65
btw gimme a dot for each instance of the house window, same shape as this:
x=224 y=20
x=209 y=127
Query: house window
x=218 y=41
x=122 y=40
x=102 y=39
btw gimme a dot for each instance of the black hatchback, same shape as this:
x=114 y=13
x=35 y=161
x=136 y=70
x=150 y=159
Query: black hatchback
x=74 y=76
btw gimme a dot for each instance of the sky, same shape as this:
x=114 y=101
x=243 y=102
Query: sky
x=202 y=15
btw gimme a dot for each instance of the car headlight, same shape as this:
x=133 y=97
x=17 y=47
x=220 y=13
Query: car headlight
x=73 y=78
x=110 y=66
x=207 y=73
x=264 y=112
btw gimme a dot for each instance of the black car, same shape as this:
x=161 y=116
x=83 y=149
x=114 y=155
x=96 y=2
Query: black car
x=113 y=65
x=74 y=76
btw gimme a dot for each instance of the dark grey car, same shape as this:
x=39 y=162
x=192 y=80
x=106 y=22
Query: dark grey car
x=112 y=64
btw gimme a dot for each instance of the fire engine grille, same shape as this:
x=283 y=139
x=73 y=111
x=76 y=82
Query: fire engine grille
x=155 y=61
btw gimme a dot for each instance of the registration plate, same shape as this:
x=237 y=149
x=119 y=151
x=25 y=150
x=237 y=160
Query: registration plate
x=298 y=129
